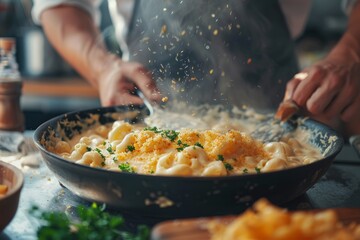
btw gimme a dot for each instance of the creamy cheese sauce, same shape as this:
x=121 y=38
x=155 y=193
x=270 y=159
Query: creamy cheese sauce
x=223 y=147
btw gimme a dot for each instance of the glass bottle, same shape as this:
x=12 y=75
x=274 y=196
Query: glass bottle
x=11 y=115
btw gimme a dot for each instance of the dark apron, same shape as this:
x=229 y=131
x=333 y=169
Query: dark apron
x=220 y=51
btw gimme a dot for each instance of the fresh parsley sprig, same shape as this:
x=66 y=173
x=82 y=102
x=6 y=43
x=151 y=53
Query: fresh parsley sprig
x=198 y=145
x=181 y=145
x=92 y=223
x=125 y=167
x=110 y=150
x=130 y=148
x=228 y=166
x=100 y=153
x=170 y=134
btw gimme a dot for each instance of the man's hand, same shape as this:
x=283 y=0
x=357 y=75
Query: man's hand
x=328 y=91
x=74 y=34
x=331 y=89
x=118 y=81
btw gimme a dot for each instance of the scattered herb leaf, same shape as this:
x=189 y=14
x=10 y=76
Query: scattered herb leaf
x=182 y=145
x=110 y=150
x=179 y=149
x=130 y=148
x=228 y=166
x=171 y=134
x=99 y=151
x=198 y=145
x=220 y=157
x=258 y=170
x=125 y=167
x=153 y=129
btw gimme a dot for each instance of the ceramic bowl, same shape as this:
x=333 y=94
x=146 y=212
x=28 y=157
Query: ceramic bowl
x=13 y=178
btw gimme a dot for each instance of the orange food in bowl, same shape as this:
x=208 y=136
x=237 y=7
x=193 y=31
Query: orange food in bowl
x=3 y=189
x=11 y=182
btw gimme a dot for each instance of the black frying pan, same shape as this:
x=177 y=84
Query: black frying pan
x=171 y=196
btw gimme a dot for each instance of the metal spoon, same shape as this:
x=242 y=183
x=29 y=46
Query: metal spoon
x=145 y=100
x=273 y=129
x=161 y=116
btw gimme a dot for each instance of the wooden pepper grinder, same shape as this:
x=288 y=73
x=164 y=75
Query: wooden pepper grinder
x=11 y=115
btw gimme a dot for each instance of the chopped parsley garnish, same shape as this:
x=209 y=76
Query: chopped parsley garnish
x=228 y=166
x=125 y=167
x=220 y=157
x=179 y=149
x=245 y=170
x=152 y=172
x=182 y=145
x=153 y=129
x=198 y=145
x=257 y=170
x=88 y=149
x=110 y=150
x=89 y=222
x=115 y=159
x=130 y=148
x=100 y=153
x=103 y=164
x=104 y=143
x=170 y=134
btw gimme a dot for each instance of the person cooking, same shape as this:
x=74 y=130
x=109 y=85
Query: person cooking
x=238 y=52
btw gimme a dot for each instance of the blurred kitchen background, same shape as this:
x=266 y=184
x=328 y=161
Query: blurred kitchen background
x=52 y=87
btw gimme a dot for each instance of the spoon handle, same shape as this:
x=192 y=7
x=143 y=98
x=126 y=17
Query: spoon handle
x=286 y=110
x=146 y=101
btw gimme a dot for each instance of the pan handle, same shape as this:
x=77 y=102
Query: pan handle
x=355 y=142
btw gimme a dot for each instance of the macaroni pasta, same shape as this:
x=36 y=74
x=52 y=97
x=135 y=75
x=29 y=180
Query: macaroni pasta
x=187 y=152
x=266 y=221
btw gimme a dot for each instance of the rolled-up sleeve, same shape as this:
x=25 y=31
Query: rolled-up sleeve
x=90 y=6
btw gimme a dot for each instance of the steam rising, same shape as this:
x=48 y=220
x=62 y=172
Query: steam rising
x=213 y=51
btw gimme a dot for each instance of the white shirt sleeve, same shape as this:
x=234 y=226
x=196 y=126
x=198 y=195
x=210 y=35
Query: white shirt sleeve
x=90 y=6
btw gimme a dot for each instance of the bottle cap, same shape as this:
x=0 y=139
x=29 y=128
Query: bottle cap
x=7 y=44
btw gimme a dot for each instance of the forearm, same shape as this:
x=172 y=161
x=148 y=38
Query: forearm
x=330 y=92
x=348 y=51
x=349 y=45
x=74 y=35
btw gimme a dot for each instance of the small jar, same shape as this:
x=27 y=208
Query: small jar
x=11 y=115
